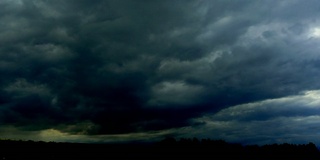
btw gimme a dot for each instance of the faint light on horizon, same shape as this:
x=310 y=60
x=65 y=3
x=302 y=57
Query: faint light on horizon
x=52 y=134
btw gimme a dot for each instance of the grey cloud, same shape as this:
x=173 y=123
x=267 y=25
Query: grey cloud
x=21 y=88
x=288 y=119
x=277 y=130
x=129 y=66
x=175 y=94
x=305 y=104
x=51 y=134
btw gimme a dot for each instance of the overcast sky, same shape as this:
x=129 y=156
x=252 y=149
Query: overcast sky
x=244 y=71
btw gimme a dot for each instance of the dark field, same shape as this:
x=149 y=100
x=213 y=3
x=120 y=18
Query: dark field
x=166 y=149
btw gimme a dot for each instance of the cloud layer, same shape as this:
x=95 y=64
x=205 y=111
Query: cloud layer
x=127 y=67
x=292 y=119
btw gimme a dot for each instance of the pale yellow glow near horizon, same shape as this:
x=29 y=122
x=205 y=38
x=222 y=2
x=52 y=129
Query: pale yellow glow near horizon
x=52 y=134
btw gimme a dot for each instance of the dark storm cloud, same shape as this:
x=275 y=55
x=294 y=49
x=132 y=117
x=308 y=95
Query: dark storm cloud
x=109 y=67
x=92 y=60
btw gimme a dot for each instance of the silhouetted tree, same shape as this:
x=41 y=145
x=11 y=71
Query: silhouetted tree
x=168 y=148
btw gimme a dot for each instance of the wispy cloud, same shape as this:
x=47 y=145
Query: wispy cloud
x=292 y=119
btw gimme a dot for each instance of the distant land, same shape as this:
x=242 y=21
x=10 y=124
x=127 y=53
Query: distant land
x=168 y=148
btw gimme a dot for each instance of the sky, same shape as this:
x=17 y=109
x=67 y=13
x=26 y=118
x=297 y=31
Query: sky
x=243 y=71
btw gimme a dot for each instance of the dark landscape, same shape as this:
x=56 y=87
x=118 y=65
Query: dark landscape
x=168 y=148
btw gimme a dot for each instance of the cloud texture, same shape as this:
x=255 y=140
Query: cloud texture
x=99 y=68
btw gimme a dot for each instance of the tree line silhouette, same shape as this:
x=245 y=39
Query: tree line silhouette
x=219 y=149
x=168 y=148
